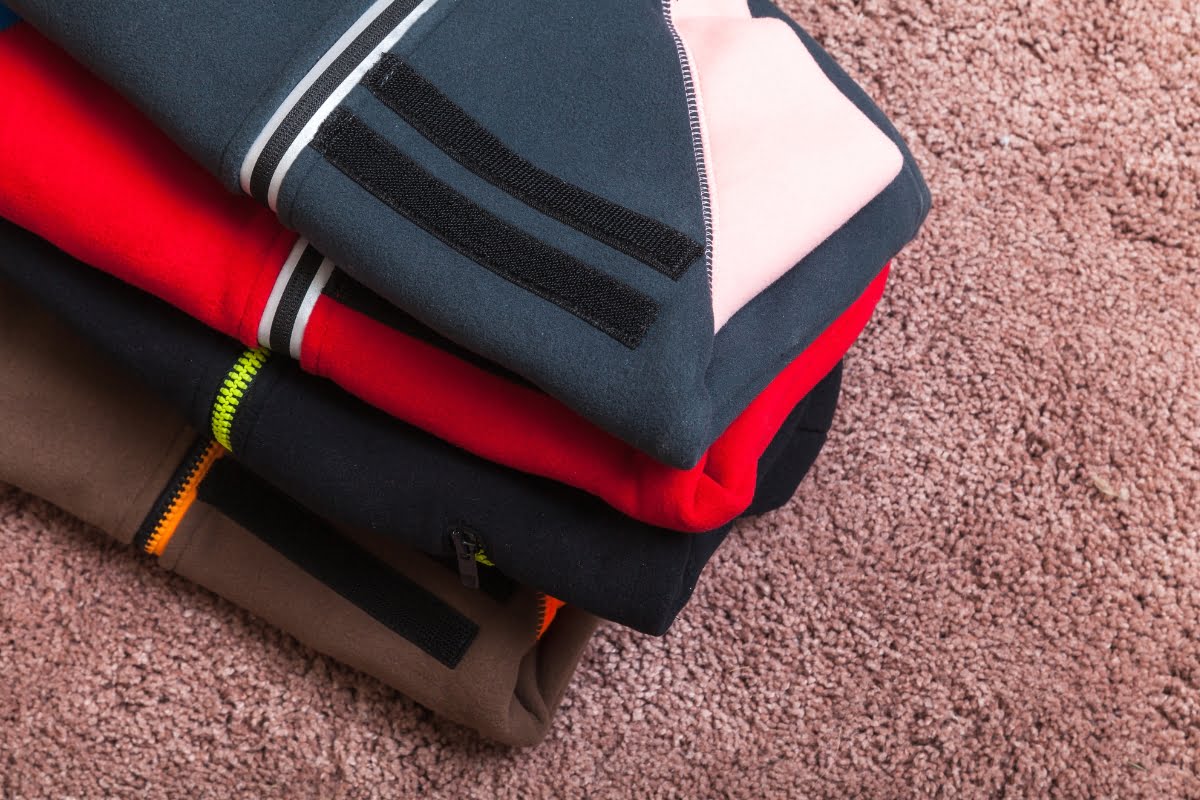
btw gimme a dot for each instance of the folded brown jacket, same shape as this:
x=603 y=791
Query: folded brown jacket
x=74 y=431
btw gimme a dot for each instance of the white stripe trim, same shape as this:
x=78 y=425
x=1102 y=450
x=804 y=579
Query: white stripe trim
x=310 y=129
x=306 y=307
x=308 y=80
x=281 y=282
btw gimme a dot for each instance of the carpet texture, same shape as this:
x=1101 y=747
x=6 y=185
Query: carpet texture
x=989 y=586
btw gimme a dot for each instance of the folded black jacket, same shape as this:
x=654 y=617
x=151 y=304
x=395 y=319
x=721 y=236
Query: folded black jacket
x=361 y=469
x=536 y=180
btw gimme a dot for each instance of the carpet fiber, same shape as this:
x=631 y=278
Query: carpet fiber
x=989 y=587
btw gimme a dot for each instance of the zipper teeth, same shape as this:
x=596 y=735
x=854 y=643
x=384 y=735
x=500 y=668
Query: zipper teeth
x=548 y=608
x=170 y=493
x=543 y=607
x=232 y=390
x=178 y=496
x=697 y=129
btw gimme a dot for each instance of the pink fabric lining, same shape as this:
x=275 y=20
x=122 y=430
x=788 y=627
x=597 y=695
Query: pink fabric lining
x=789 y=158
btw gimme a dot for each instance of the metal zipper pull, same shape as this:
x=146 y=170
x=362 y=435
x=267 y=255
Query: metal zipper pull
x=466 y=546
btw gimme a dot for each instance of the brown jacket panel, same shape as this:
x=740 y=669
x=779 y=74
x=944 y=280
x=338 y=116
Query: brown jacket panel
x=73 y=431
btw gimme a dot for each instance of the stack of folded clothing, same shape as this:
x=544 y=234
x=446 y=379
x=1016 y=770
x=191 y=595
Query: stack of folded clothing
x=433 y=331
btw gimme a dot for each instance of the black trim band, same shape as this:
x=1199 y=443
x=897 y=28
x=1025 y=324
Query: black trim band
x=423 y=106
x=316 y=94
x=369 y=160
x=292 y=298
x=405 y=607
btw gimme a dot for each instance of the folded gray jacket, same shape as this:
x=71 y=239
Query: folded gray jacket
x=646 y=208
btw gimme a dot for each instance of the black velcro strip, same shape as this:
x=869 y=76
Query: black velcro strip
x=423 y=106
x=291 y=125
x=403 y=606
x=353 y=295
x=292 y=298
x=369 y=160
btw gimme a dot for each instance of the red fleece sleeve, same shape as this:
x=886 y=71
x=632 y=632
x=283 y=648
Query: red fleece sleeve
x=84 y=170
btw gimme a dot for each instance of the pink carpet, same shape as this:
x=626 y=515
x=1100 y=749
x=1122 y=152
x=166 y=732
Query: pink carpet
x=989 y=587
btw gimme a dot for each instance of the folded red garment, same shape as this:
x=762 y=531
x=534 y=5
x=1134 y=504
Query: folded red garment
x=84 y=170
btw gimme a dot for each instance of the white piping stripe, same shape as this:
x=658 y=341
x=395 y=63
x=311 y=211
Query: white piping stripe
x=310 y=130
x=281 y=282
x=343 y=89
x=308 y=80
x=306 y=307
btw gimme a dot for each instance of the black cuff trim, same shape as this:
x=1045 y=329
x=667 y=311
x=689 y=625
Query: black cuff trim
x=293 y=297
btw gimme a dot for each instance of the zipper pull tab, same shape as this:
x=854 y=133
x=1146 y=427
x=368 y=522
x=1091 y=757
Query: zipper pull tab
x=466 y=545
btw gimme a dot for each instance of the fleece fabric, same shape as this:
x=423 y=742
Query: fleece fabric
x=359 y=468
x=75 y=430
x=85 y=171
x=524 y=178
x=988 y=587
x=786 y=162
